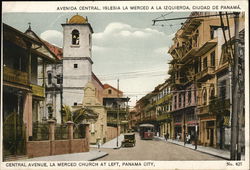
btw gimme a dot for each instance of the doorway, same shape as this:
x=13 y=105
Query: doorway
x=211 y=142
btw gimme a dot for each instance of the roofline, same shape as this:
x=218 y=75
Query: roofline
x=21 y=33
x=98 y=81
x=113 y=88
x=41 y=40
x=88 y=24
x=59 y=59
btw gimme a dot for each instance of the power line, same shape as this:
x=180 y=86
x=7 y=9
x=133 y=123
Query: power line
x=190 y=17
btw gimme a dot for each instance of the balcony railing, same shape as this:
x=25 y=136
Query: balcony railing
x=204 y=73
x=163 y=116
x=163 y=99
x=171 y=69
x=121 y=110
x=150 y=107
x=179 y=81
x=15 y=76
x=189 y=54
x=38 y=90
x=114 y=120
x=219 y=106
x=149 y=117
x=202 y=110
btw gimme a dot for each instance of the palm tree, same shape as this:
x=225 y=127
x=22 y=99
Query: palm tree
x=78 y=115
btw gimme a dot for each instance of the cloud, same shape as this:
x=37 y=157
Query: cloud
x=53 y=36
x=161 y=50
x=121 y=35
x=128 y=48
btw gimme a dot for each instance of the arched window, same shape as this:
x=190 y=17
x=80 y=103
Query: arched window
x=75 y=37
x=212 y=91
x=49 y=78
x=204 y=96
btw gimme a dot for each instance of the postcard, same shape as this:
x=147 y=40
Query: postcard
x=125 y=85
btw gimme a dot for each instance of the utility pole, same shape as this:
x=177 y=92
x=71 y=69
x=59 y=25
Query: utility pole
x=240 y=54
x=118 y=109
x=184 y=126
x=235 y=90
x=61 y=97
x=196 y=118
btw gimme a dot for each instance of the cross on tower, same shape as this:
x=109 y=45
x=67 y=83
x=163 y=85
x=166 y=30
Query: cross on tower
x=29 y=26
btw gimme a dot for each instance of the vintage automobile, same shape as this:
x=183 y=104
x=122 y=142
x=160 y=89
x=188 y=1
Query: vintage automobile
x=129 y=140
x=130 y=130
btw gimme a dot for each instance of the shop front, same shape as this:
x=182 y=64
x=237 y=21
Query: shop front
x=208 y=135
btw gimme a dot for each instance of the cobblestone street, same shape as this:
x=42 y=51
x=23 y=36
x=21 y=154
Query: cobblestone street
x=155 y=150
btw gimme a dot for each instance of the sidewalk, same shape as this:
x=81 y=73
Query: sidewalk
x=225 y=154
x=112 y=143
x=83 y=156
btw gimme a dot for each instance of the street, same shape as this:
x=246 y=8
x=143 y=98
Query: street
x=155 y=150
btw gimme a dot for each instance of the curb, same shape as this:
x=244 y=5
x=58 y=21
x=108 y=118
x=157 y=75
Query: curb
x=93 y=159
x=201 y=151
x=117 y=147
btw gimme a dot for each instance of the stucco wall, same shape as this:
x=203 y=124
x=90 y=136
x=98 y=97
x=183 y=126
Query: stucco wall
x=56 y=147
x=111 y=132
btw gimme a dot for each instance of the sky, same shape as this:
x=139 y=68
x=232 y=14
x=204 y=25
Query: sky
x=126 y=46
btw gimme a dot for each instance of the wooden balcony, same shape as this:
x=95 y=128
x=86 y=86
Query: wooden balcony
x=150 y=107
x=191 y=53
x=179 y=81
x=38 y=90
x=207 y=72
x=171 y=69
x=219 y=106
x=149 y=117
x=164 y=116
x=164 y=99
x=115 y=110
x=112 y=120
x=202 y=110
x=15 y=76
x=206 y=47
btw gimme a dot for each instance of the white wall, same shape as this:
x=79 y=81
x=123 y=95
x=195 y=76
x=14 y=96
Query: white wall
x=73 y=95
x=74 y=79
x=81 y=50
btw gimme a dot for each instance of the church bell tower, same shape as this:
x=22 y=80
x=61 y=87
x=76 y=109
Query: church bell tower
x=77 y=62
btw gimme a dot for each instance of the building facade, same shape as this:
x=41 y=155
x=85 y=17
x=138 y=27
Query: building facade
x=24 y=101
x=200 y=81
x=117 y=108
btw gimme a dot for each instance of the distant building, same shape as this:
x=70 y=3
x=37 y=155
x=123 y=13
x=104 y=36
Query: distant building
x=117 y=108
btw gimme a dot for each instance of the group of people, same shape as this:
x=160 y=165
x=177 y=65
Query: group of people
x=188 y=136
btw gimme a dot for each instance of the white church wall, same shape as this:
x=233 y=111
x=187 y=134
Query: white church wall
x=72 y=96
x=76 y=77
x=81 y=50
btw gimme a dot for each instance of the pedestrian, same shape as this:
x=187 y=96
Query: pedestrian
x=189 y=138
x=178 y=137
x=99 y=144
x=166 y=136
